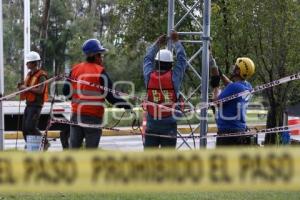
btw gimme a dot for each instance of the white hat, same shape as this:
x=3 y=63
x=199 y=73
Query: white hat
x=32 y=56
x=164 y=55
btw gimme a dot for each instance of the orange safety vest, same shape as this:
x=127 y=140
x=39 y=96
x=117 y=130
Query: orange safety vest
x=160 y=90
x=31 y=80
x=86 y=99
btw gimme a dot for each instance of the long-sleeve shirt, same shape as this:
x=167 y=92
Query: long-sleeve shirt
x=178 y=71
x=112 y=98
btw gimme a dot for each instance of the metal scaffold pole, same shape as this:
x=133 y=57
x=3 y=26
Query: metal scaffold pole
x=170 y=20
x=199 y=9
x=1 y=81
x=26 y=33
x=205 y=71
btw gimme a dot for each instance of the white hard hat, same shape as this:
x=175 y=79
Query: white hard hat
x=32 y=56
x=164 y=55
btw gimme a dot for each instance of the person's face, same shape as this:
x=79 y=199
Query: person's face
x=100 y=58
x=31 y=65
x=235 y=71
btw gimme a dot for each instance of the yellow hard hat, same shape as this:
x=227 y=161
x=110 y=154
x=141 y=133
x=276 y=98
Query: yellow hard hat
x=246 y=66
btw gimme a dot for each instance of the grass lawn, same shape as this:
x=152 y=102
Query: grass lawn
x=160 y=196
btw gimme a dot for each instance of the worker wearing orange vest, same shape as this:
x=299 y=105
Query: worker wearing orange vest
x=163 y=82
x=35 y=97
x=88 y=101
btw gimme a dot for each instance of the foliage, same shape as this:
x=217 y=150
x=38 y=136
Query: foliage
x=13 y=48
x=266 y=31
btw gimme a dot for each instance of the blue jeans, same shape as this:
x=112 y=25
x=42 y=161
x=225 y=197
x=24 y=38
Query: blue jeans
x=156 y=141
x=91 y=135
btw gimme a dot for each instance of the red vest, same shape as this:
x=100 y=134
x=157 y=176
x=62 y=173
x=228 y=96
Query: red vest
x=31 y=80
x=161 y=91
x=87 y=100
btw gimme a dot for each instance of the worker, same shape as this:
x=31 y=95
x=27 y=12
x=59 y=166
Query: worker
x=163 y=82
x=34 y=97
x=231 y=115
x=88 y=102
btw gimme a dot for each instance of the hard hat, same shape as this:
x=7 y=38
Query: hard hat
x=32 y=56
x=92 y=46
x=246 y=66
x=164 y=55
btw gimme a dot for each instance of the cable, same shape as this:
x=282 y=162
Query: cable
x=238 y=134
x=159 y=81
x=159 y=75
x=18 y=123
x=9 y=96
x=44 y=143
x=118 y=121
x=136 y=121
x=192 y=132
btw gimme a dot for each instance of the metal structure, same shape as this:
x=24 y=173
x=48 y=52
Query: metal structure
x=26 y=33
x=203 y=7
x=1 y=81
x=26 y=50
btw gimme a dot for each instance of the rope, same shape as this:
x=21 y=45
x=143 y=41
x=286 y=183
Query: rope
x=136 y=122
x=213 y=103
x=118 y=121
x=45 y=142
x=246 y=133
x=234 y=96
x=254 y=90
x=143 y=100
x=44 y=138
x=247 y=92
x=9 y=96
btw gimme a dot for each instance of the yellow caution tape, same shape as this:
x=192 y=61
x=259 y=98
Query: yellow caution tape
x=239 y=169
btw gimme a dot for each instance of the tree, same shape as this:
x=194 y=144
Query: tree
x=13 y=44
x=266 y=31
x=277 y=30
x=269 y=33
x=44 y=29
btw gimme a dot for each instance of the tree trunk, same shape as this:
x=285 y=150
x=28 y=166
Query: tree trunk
x=101 y=19
x=227 y=36
x=275 y=117
x=90 y=6
x=43 y=30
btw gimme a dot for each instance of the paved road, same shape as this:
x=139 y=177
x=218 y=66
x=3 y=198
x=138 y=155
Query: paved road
x=124 y=143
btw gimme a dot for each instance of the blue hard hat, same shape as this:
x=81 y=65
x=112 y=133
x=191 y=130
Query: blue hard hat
x=92 y=46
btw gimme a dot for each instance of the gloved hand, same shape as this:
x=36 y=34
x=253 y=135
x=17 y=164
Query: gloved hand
x=215 y=81
x=174 y=36
x=161 y=40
